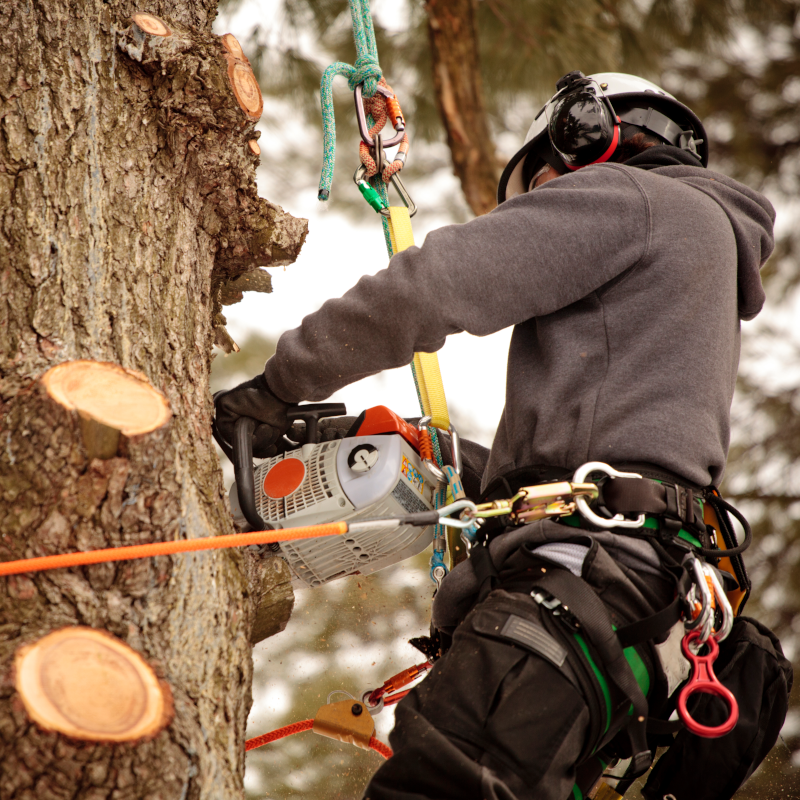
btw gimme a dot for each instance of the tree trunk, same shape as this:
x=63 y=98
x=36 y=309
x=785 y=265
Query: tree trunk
x=127 y=207
x=459 y=98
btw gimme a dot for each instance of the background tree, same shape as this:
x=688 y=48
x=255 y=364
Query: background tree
x=128 y=209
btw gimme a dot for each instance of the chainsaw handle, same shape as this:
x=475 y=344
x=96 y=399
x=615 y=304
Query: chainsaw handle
x=243 y=472
x=242 y=452
x=311 y=415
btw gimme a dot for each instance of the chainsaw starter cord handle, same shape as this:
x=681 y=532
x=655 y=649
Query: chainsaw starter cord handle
x=243 y=472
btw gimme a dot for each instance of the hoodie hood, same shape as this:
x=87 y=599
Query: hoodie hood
x=750 y=213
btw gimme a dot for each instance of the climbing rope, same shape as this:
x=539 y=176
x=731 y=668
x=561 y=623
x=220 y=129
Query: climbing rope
x=130 y=552
x=366 y=71
x=306 y=725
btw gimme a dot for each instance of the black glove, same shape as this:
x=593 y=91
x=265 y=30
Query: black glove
x=253 y=399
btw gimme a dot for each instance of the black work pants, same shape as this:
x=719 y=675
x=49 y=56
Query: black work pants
x=495 y=719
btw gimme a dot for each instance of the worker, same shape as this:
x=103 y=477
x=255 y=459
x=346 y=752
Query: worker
x=625 y=267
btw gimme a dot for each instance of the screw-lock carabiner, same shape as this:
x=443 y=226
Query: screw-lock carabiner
x=397 y=119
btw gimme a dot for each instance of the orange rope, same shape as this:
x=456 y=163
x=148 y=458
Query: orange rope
x=306 y=725
x=273 y=736
x=170 y=548
x=381 y=107
x=380 y=747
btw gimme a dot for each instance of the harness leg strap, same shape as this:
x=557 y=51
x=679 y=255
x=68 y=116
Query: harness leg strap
x=595 y=621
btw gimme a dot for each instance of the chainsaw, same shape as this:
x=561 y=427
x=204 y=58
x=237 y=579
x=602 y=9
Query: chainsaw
x=375 y=471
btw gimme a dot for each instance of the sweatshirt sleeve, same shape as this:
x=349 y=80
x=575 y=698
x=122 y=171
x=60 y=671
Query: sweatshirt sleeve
x=531 y=256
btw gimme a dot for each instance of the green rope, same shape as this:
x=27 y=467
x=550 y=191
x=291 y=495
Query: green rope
x=366 y=70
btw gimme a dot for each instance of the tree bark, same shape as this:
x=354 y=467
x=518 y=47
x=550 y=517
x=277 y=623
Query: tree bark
x=127 y=207
x=459 y=98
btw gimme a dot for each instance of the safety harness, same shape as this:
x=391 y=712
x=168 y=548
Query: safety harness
x=674 y=518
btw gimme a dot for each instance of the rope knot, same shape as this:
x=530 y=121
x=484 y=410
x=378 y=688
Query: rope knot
x=366 y=70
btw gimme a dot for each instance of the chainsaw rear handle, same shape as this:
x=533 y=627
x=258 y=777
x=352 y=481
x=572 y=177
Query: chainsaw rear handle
x=243 y=472
x=242 y=452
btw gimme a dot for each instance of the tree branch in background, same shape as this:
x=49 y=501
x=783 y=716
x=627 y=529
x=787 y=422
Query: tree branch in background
x=459 y=98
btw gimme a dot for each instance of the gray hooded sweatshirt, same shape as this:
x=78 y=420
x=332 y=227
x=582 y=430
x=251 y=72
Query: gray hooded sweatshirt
x=625 y=287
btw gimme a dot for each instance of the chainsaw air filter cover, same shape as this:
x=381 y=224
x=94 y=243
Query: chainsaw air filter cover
x=360 y=477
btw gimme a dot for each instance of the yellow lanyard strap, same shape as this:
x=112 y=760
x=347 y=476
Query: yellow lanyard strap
x=426 y=365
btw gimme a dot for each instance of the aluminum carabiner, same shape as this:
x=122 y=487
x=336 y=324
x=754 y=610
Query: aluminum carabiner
x=722 y=603
x=363 y=128
x=455 y=440
x=704 y=621
x=369 y=193
x=618 y=520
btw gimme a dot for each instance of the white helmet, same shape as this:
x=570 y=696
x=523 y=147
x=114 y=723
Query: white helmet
x=579 y=126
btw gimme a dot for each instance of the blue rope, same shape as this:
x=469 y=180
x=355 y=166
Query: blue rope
x=366 y=70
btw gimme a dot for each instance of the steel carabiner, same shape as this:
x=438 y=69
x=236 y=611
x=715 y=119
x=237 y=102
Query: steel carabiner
x=704 y=681
x=404 y=195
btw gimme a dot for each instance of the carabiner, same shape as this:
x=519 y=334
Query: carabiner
x=618 y=520
x=704 y=621
x=367 y=192
x=703 y=680
x=455 y=440
x=427 y=451
x=722 y=603
x=404 y=195
x=363 y=128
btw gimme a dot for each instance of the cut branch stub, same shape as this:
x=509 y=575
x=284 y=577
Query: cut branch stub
x=243 y=81
x=151 y=24
x=89 y=685
x=109 y=399
x=231 y=44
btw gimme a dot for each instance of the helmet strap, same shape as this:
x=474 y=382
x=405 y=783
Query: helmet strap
x=653 y=121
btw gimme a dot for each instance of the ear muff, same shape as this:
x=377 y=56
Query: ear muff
x=583 y=127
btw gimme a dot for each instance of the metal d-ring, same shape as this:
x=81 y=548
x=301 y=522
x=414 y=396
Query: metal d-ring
x=373 y=710
x=618 y=520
